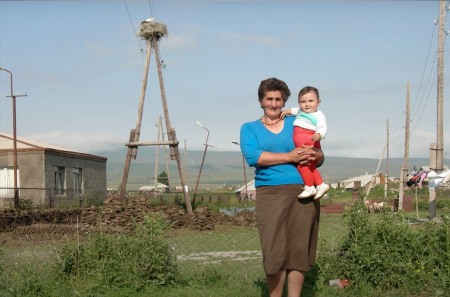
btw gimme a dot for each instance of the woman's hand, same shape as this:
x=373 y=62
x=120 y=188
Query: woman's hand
x=304 y=155
x=285 y=113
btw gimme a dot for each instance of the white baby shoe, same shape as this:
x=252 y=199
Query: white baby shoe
x=307 y=192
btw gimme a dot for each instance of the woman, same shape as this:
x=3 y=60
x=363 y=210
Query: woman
x=287 y=226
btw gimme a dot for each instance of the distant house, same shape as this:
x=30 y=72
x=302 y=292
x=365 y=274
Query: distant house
x=251 y=191
x=45 y=170
x=364 y=179
x=150 y=189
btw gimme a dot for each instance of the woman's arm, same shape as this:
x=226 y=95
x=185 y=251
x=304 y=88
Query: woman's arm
x=304 y=155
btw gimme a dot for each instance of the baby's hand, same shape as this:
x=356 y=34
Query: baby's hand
x=316 y=137
x=285 y=113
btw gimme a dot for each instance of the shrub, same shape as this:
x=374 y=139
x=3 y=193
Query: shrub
x=389 y=254
x=121 y=261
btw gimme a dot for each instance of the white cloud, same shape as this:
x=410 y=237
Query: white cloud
x=79 y=141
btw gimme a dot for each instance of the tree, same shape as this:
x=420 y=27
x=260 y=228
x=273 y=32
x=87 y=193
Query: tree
x=162 y=178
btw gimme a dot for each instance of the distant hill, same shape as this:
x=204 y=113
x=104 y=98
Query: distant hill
x=221 y=168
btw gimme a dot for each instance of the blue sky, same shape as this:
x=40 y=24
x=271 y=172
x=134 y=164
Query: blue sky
x=81 y=65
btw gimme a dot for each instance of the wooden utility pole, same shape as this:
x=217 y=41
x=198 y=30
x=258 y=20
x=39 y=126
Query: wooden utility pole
x=165 y=159
x=153 y=32
x=432 y=193
x=386 y=187
x=185 y=160
x=156 y=163
x=404 y=171
x=174 y=151
x=374 y=178
x=134 y=134
x=440 y=90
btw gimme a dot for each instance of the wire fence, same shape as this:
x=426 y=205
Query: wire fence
x=198 y=241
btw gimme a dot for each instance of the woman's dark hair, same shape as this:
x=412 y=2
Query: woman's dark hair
x=273 y=84
x=308 y=89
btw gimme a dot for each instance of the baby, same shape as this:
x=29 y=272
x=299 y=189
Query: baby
x=309 y=128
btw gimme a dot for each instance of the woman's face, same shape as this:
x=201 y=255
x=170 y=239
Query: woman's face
x=272 y=104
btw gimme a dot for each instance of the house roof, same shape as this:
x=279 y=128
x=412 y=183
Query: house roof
x=365 y=179
x=26 y=144
x=250 y=187
x=149 y=188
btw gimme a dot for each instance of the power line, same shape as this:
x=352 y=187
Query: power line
x=426 y=61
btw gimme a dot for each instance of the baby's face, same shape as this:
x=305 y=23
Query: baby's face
x=309 y=102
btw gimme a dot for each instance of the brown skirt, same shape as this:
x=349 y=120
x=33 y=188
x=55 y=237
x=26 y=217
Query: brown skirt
x=288 y=228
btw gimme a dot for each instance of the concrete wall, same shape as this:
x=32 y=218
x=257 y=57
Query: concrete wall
x=37 y=171
x=31 y=168
x=93 y=171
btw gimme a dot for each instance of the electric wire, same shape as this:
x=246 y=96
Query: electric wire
x=142 y=56
x=424 y=68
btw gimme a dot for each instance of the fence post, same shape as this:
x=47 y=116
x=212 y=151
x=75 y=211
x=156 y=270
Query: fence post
x=176 y=199
x=201 y=200
x=161 y=200
x=209 y=198
x=356 y=188
x=80 y=201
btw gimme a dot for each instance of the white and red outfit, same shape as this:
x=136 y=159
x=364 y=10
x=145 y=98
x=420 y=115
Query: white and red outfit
x=305 y=126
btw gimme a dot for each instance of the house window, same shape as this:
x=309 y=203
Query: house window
x=59 y=180
x=77 y=179
x=7 y=182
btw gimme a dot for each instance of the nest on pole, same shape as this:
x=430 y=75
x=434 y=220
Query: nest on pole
x=153 y=30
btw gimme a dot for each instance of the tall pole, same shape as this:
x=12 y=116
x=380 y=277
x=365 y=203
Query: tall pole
x=16 y=191
x=404 y=170
x=203 y=159
x=245 y=175
x=185 y=160
x=157 y=159
x=165 y=159
x=174 y=150
x=134 y=134
x=387 y=161
x=432 y=193
x=440 y=90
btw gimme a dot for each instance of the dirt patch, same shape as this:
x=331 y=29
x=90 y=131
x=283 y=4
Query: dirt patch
x=53 y=224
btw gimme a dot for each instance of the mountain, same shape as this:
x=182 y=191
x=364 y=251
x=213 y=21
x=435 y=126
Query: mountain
x=226 y=168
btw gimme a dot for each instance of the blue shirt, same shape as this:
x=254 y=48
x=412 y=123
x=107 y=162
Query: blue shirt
x=255 y=139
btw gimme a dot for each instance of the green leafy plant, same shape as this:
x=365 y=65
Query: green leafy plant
x=121 y=260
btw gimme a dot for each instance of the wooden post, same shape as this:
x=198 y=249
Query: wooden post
x=400 y=191
x=132 y=151
x=174 y=151
x=374 y=178
x=440 y=91
x=165 y=158
x=417 y=205
x=156 y=163
x=432 y=193
x=387 y=161
x=406 y=156
x=356 y=188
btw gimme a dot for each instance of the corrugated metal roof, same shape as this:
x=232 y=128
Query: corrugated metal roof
x=365 y=179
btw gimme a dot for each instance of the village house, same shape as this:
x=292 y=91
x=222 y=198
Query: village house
x=251 y=191
x=45 y=170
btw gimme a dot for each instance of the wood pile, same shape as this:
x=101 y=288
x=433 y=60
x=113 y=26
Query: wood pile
x=113 y=217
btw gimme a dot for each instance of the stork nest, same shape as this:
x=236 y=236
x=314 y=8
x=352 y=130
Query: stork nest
x=150 y=30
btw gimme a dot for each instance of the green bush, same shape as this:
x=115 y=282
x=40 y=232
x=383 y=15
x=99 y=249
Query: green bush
x=132 y=261
x=389 y=254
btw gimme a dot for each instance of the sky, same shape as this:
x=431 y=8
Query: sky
x=81 y=65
